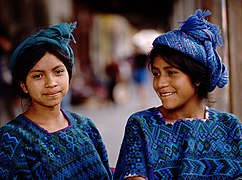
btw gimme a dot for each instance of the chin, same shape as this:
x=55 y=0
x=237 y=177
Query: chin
x=169 y=106
x=53 y=104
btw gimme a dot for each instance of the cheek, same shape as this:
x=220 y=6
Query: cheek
x=67 y=85
x=64 y=82
x=182 y=81
x=154 y=84
x=32 y=87
x=186 y=86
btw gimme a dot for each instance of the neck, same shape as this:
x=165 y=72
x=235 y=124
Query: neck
x=50 y=119
x=194 y=111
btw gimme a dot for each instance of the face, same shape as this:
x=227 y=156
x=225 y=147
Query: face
x=47 y=82
x=173 y=87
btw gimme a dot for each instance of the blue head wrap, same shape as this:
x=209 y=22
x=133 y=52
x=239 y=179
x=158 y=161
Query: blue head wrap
x=59 y=35
x=198 y=39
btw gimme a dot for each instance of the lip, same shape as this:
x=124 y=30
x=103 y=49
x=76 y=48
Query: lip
x=51 y=93
x=166 y=94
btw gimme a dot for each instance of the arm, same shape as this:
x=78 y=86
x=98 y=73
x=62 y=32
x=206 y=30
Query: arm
x=13 y=164
x=132 y=156
x=236 y=133
x=98 y=143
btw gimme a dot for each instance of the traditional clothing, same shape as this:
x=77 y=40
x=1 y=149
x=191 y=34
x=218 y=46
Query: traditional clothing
x=198 y=39
x=28 y=151
x=59 y=35
x=208 y=148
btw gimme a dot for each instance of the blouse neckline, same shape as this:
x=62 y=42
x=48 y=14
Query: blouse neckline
x=185 y=119
x=47 y=132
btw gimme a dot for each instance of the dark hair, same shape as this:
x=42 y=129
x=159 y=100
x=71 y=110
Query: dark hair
x=27 y=60
x=198 y=73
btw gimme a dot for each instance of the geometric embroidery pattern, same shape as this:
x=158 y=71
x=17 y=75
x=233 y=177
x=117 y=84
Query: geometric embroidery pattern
x=27 y=151
x=196 y=149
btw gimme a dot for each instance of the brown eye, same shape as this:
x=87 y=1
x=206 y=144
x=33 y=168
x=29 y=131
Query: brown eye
x=155 y=73
x=59 y=72
x=171 y=72
x=37 y=76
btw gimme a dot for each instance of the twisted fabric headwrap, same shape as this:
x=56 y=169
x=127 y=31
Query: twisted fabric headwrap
x=59 y=35
x=198 y=39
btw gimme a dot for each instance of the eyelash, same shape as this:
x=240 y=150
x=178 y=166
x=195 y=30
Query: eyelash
x=37 y=76
x=59 y=72
x=169 y=73
x=155 y=74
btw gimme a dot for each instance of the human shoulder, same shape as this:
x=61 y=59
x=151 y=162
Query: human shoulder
x=145 y=113
x=148 y=116
x=13 y=127
x=12 y=137
x=87 y=126
x=222 y=116
x=227 y=121
x=79 y=119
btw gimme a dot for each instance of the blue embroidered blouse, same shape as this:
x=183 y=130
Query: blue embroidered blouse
x=188 y=149
x=28 y=151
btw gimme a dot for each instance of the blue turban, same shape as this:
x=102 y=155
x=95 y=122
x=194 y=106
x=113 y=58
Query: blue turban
x=59 y=35
x=198 y=39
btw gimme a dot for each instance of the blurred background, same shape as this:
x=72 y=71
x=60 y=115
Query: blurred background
x=112 y=41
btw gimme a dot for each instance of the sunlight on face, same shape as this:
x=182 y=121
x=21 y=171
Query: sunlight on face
x=173 y=87
x=48 y=81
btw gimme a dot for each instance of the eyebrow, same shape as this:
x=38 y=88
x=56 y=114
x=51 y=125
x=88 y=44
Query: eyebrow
x=166 y=67
x=38 y=70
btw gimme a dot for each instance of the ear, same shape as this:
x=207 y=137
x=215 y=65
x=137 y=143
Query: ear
x=24 y=88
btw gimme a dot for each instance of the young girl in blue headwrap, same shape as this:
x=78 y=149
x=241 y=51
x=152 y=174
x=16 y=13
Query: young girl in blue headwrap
x=46 y=141
x=183 y=138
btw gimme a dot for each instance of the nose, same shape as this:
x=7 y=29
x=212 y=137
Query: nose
x=50 y=82
x=162 y=82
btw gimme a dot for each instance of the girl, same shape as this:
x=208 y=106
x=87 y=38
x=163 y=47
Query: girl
x=46 y=141
x=183 y=138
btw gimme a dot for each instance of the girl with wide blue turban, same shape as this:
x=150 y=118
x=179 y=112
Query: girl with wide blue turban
x=183 y=138
x=199 y=39
x=47 y=141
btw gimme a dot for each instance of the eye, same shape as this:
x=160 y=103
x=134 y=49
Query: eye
x=155 y=73
x=172 y=72
x=37 y=76
x=59 y=71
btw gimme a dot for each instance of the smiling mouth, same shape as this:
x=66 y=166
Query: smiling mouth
x=166 y=94
x=51 y=94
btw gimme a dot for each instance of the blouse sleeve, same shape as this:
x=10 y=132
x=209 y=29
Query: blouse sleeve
x=13 y=164
x=132 y=156
x=99 y=145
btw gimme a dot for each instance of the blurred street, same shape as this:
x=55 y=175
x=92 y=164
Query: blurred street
x=111 y=119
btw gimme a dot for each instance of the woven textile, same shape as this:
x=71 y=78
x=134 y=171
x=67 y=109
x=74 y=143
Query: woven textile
x=29 y=152
x=58 y=35
x=199 y=39
x=187 y=149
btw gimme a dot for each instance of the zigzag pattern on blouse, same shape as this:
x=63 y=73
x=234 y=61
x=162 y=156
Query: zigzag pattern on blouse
x=187 y=149
x=35 y=154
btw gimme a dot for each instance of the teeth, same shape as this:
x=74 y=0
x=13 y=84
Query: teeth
x=166 y=94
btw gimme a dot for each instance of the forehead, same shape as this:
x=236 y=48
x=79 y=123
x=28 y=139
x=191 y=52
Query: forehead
x=159 y=62
x=48 y=61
